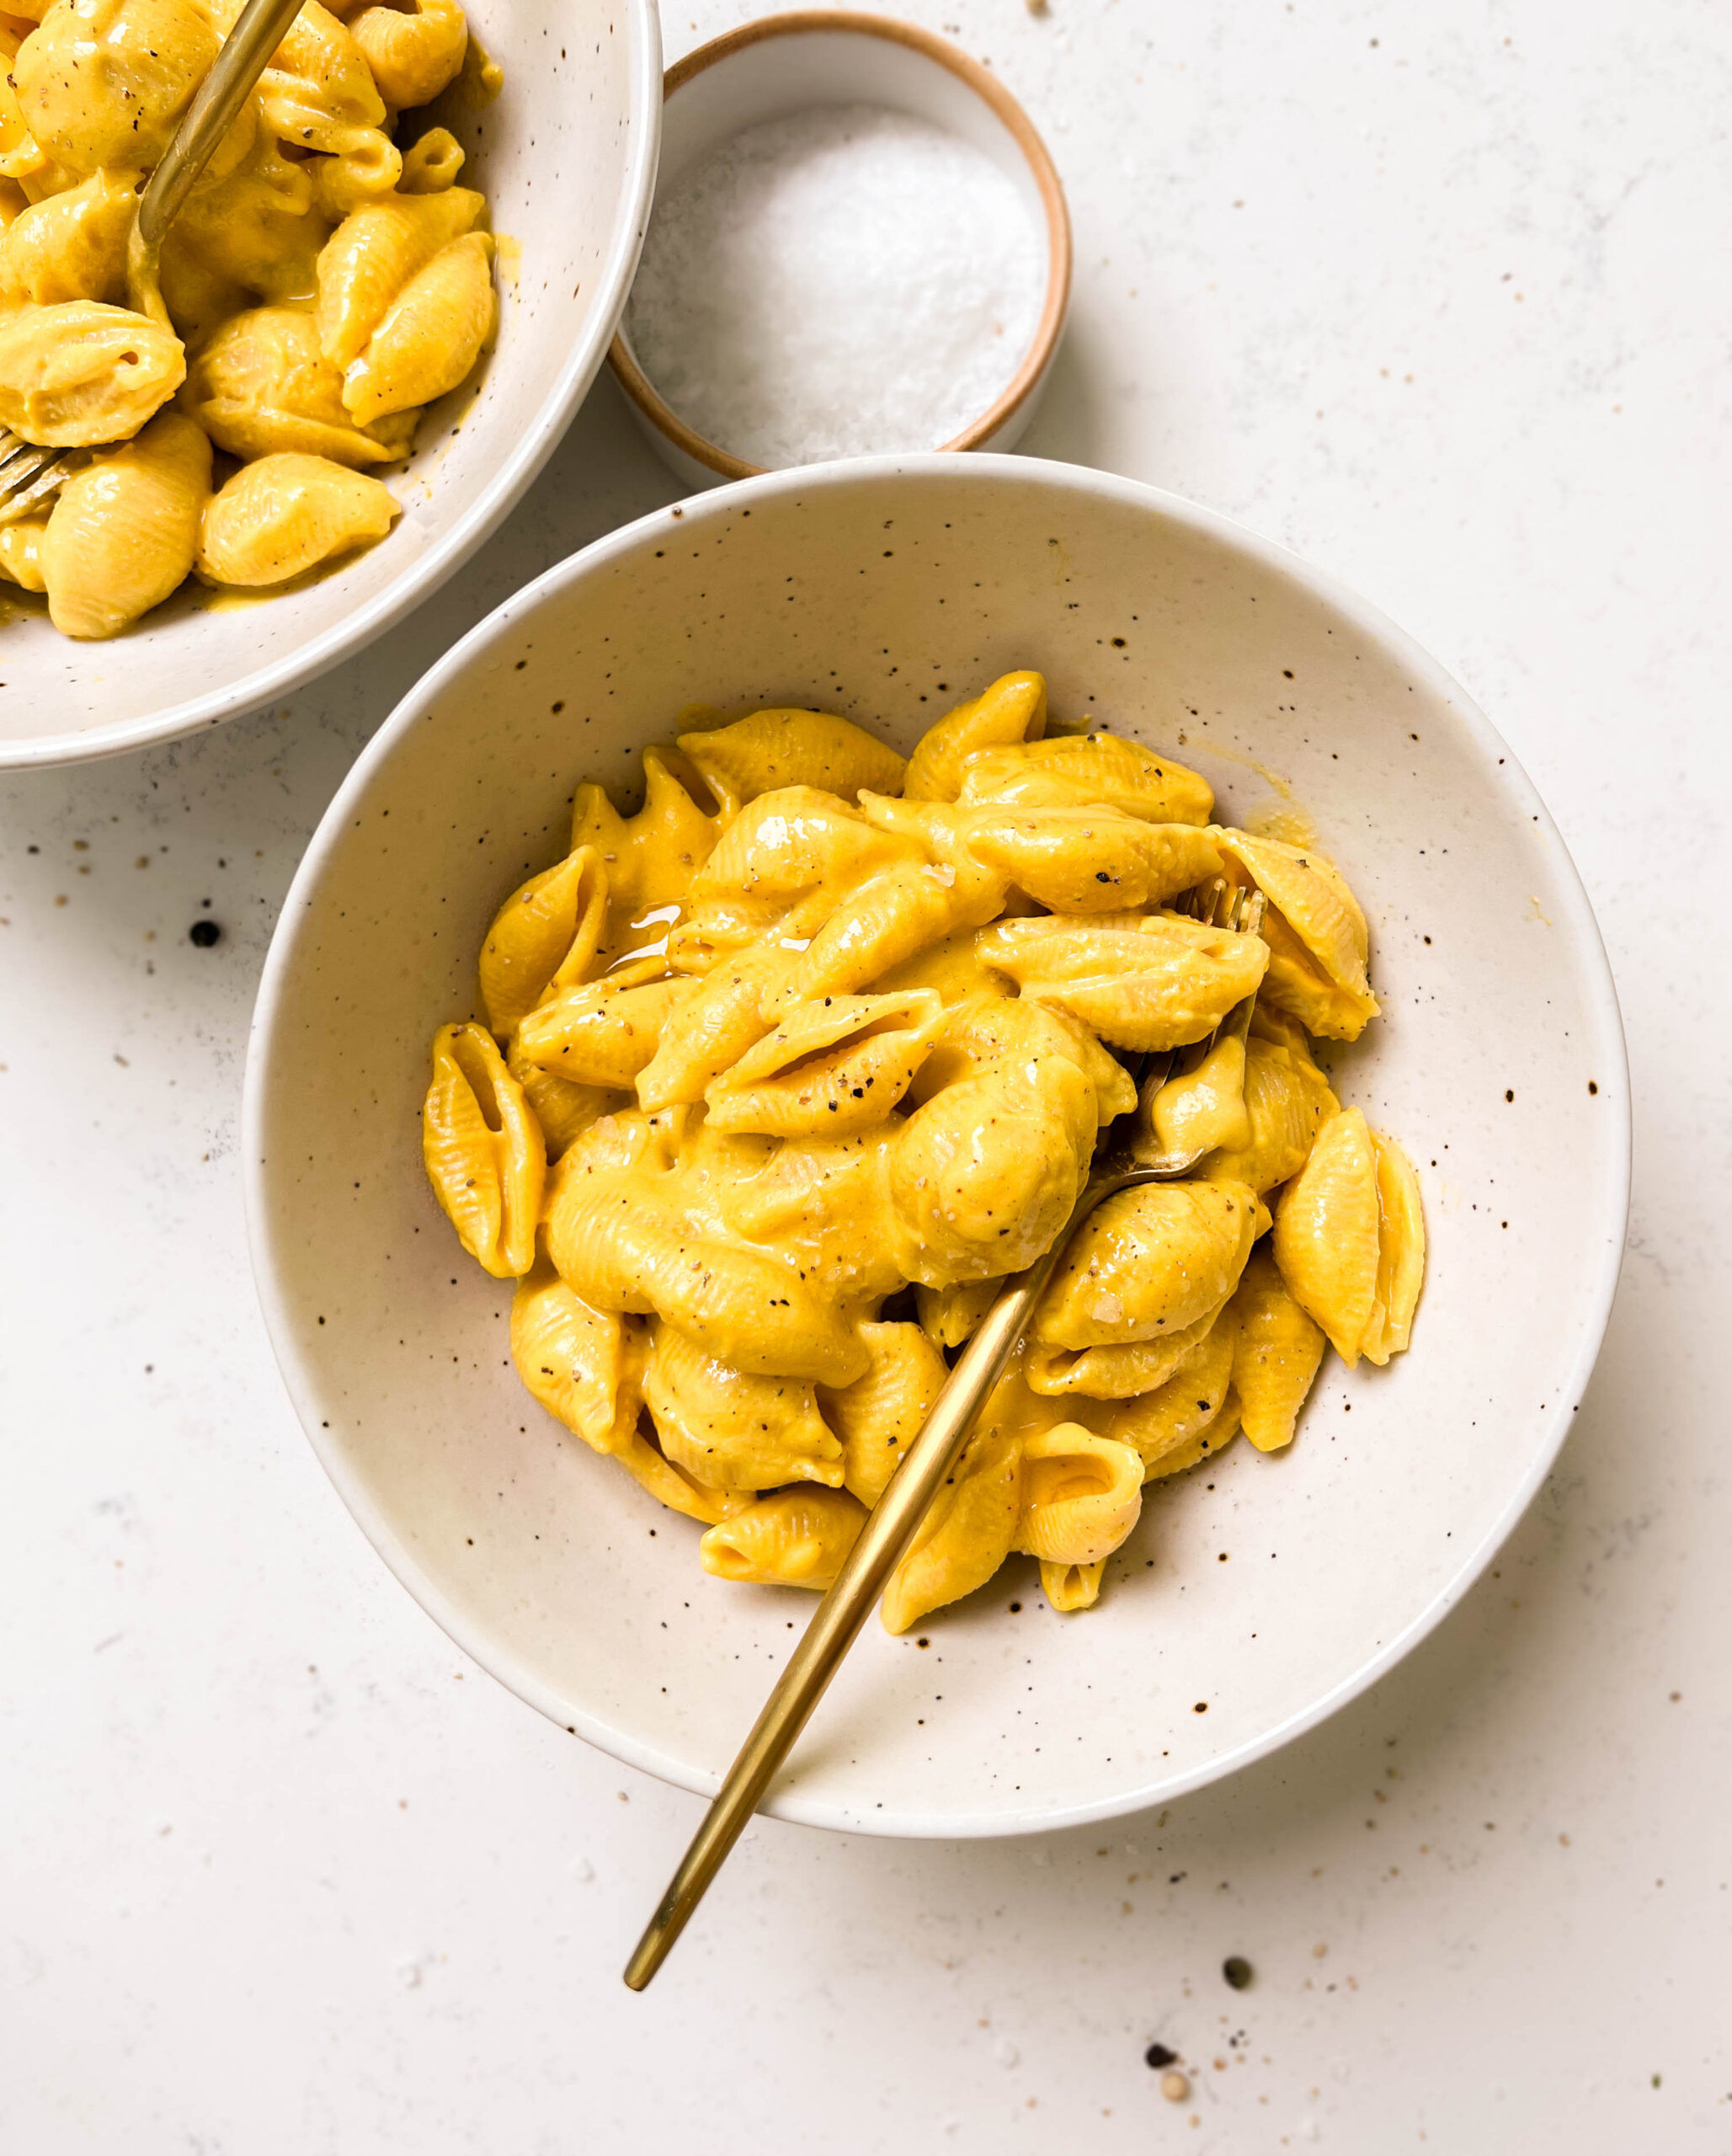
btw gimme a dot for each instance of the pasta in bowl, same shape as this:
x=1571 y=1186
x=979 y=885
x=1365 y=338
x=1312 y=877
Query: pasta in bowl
x=780 y=1077
x=320 y=522
x=320 y=289
x=1264 y=1588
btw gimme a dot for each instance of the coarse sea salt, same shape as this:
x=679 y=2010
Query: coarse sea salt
x=843 y=280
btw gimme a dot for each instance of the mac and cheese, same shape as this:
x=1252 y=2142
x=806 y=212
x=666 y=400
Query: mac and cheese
x=779 y=1077
x=321 y=287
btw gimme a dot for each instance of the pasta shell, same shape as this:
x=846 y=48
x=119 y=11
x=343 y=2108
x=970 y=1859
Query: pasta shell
x=1119 y=1372
x=1087 y=860
x=967 y=1533
x=1203 y=1110
x=792 y=1538
x=261 y=384
x=1288 y=1101
x=879 y=1416
x=1316 y=933
x=479 y=79
x=121 y=536
x=374 y=254
x=1328 y=1233
x=711 y=1030
x=950 y=967
x=563 y=1111
x=585 y=1366
x=71 y=246
x=776 y=749
x=670 y=1486
x=653 y=857
x=1022 y=1044
x=544 y=936
x=983 y=1176
x=820 y=1202
x=318 y=92
x=364 y=166
x=412 y=56
x=432 y=334
x=258 y=228
x=1069 y=1588
x=285 y=514
x=623 y=1245
x=1208 y=1443
x=103 y=83
x=1081 y=771
x=840 y=1064
x=485 y=1157
x=1276 y=1354
x=1149 y=1261
x=1162 y=985
x=1185 y=1406
x=1081 y=1495
x=1401 y=1253
x=1297 y=985
x=624 y=1145
x=733 y=1429
x=431 y=163
x=21 y=552
x=81 y=374
x=22 y=158
x=785 y=844
x=936 y=827
x=884 y=921
x=1013 y=709
x=601 y=1032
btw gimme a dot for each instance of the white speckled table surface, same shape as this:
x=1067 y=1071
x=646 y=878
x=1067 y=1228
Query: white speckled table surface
x=1436 y=296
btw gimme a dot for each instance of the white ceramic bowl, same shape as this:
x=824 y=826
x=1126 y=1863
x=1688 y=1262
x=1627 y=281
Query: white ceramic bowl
x=781 y=65
x=887 y=589
x=567 y=157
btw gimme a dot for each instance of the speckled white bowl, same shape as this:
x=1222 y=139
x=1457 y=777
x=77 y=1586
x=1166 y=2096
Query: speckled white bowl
x=887 y=589
x=567 y=155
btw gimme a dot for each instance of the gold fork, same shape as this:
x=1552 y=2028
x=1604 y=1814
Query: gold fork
x=32 y=474
x=1135 y=1159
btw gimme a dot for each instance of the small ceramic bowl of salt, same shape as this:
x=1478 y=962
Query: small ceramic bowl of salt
x=859 y=244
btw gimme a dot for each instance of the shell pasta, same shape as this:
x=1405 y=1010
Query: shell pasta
x=327 y=279
x=781 y=1074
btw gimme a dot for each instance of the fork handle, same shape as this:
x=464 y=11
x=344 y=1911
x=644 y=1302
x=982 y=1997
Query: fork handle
x=889 y=1528
x=245 y=51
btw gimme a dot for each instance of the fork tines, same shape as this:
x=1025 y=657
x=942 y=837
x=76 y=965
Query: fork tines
x=29 y=475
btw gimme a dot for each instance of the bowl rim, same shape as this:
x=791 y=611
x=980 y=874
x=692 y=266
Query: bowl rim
x=529 y=451
x=1022 y=385
x=1607 y=1040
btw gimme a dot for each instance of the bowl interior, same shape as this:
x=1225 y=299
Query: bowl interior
x=887 y=591
x=566 y=155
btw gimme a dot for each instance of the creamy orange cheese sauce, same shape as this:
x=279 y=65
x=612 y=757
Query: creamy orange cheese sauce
x=778 y=1078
